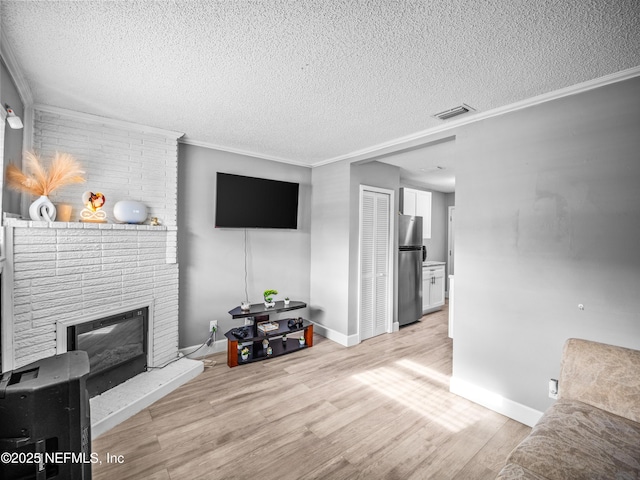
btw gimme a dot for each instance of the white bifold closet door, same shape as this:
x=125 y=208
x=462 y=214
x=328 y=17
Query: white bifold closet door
x=374 y=263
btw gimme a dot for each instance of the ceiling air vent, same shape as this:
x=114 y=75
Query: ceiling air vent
x=454 y=112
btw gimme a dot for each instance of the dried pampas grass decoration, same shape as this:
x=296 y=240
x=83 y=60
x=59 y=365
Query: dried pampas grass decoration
x=63 y=170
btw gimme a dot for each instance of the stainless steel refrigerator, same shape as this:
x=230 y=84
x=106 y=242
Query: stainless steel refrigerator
x=410 y=257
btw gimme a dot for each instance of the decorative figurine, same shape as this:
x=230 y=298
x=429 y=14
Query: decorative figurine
x=92 y=212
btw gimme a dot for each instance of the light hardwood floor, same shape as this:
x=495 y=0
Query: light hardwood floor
x=378 y=410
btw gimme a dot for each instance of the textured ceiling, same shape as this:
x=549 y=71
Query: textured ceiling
x=308 y=82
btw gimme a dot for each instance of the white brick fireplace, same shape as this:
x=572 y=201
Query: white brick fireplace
x=67 y=273
x=63 y=273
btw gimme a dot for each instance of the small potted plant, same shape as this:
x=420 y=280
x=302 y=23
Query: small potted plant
x=268 y=298
x=284 y=339
x=301 y=340
x=286 y=300
x=244 y=353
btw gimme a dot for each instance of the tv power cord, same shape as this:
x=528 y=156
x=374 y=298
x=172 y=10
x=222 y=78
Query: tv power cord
x=208 y=343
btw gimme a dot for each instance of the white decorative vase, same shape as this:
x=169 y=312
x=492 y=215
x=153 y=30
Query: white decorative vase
x=129 y=211
x=42 y=210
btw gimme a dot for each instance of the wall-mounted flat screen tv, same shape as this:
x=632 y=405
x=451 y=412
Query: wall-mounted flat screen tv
x=249 y=202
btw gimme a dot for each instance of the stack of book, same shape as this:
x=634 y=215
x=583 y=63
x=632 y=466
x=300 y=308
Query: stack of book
x=267 y=327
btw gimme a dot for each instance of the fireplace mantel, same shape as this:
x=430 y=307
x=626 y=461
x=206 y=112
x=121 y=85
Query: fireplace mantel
x=21 y=223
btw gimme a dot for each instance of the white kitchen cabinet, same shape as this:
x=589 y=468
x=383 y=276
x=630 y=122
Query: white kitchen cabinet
x=432 y=288
x=418 y=203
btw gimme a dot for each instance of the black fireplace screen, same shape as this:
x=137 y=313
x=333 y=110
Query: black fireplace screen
x=116 y=345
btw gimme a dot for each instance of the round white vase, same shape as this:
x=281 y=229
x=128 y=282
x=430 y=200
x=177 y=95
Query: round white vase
x=42 y=210
x=130 y=211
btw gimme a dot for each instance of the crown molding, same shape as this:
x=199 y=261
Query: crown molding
x=419 y=138
x=15 y=71
x=237 y=151
x=108 y=121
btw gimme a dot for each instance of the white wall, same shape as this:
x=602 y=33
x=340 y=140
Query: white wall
x=334 y=243
x=122 y=161
x=560 y=226
x=212 y=275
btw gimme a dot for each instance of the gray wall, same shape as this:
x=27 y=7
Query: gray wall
x=334 y=241
x=548 y=217
x=330 y=246
x=372 y=174
x=12 y=138
x=212 y=259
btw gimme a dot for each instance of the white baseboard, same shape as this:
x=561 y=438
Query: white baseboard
x=493 y=401
x=341 y=338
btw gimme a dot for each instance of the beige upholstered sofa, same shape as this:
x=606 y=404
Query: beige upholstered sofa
x=593 y=430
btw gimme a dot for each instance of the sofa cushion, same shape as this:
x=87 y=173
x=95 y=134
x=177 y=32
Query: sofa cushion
x=605 y=376
x=574 y=440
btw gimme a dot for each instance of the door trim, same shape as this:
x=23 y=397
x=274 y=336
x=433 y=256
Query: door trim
x=451 y=246
x=392 y=248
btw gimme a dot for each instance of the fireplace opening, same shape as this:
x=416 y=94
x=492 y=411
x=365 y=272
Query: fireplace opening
x=116 y=345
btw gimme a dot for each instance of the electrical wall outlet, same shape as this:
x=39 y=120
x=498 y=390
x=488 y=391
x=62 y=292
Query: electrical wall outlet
x=213 y=328
x=553 y=388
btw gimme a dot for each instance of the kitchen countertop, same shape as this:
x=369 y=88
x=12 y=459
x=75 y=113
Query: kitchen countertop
x=432 y=263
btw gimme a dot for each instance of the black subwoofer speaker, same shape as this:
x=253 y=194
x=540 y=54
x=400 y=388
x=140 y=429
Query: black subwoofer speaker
x=45 y=424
